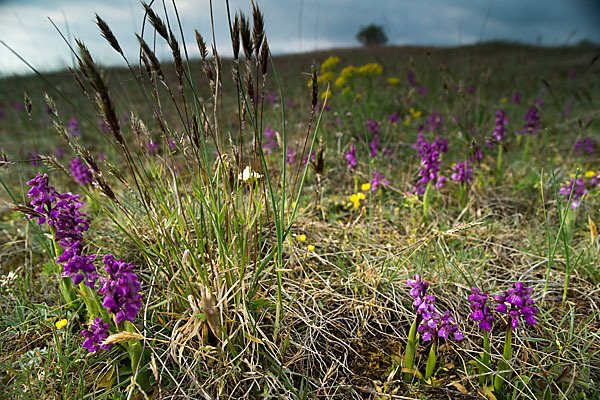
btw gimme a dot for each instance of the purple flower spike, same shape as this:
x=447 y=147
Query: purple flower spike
x=61 y=211
x=430 y=154
x=436 y=326
x=517 y=302
x=501 y=122
x=290 y=155
x=578 y=191
x=269 y=140
x=378 y=179
x=586 y=145
x=351 y=157
x=462 y=172
x=42 y=196
x=424 y=303
x=95 y=335
x=73 y=127
x=80 y=172
x=121 y=290
x=481 y=313
x=373 y=128
x=419 y=286
x=79 y=268
x=532 y=121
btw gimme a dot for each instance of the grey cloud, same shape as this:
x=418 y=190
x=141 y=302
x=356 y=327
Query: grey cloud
x=331 y=23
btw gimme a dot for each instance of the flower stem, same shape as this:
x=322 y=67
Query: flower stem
x=426 y=201
x=484 y=366
x=409 y=355
x=431 y=360
x=65 y=283
x=503 y=364
x=136 y=356
x=499 y=170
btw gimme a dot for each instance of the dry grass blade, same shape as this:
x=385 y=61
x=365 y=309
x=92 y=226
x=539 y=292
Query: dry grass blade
x=123 y=337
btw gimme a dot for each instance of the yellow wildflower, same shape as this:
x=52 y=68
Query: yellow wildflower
x=301 y=238
x=415 y=113
x=393 y=81
x=341 y=82
x=407 y=120
x=356 y=198
x=61 y=323
x=365 y=186
x=590 y=174
x=311 y=247
x=504 y=100
x=330 y=63
x=370 y=69
x=326 y=77
x=348 y=72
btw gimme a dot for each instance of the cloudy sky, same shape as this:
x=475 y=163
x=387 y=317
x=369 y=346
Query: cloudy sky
x=292 y=25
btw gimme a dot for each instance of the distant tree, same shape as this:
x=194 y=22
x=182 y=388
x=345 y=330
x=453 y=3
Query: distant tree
x=372 y=35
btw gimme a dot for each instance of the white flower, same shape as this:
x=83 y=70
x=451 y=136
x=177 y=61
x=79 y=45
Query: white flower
x=249 y=175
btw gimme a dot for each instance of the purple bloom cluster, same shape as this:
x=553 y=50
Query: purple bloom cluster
x=439 y=325
x=373 y=128
x=584 y=145
x=80 y=172
x=516 y=302
x=61 y=211
x=433 y=324
x=351 y=157
x=532 y=121
x=270 y=140
x=312 y=156
x=73 y=127
x=462 y=172
x=394 y=117
x=578 y=191
x=423 y=301
x=412 y=81
x=378 y=179
x=430 y=161
x=501 y=122
x=79 y=267
x=95 y=335
x=152 y=147
x=435 y=121
x=121 y=290
x=290 y=155
x=481 y=313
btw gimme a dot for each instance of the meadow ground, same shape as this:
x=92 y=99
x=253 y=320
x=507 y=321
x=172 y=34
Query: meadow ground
x=276 y=231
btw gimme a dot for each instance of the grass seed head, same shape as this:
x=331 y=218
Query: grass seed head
x=108 y=35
